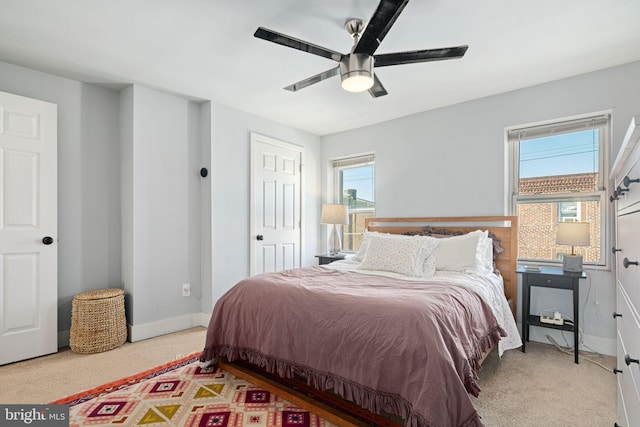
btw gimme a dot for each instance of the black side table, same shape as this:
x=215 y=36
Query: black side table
x=555 y=278
x=328 y=258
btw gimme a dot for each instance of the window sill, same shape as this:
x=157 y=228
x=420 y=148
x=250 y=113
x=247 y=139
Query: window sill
x=587 y=267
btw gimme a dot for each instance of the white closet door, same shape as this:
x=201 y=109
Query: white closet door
x=28 y=228
x=275 y=206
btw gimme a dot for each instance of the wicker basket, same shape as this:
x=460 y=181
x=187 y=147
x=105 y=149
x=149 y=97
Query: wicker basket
x=97 y=321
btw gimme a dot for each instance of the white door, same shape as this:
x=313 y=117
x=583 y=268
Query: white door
x=28 y=228
x=275 y=204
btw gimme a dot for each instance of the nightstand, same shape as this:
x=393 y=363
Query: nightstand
x=328 y=259
x=555 y=278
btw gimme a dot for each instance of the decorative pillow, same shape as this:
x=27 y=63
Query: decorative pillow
x=364 y=244
x=445 y=232
x=398 y=254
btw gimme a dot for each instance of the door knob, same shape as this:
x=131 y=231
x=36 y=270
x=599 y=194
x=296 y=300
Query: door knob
x=629 y=360
x=614 y=250
x=260 y=237
x=626 y=263
x=616 y=315
x=47 y=240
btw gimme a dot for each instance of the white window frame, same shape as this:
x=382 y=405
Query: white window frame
x=348 y=163
x=514 y=135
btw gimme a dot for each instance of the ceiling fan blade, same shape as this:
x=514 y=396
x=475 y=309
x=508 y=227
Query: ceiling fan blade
x=379 y=25
x=377 y=89
x=313 y=79
x=284 y=40
x=414 y=56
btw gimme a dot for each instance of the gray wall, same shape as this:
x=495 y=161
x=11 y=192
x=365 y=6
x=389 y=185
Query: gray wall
x=161 y=207
x=451 y=162
x=88 y=180
x=230 y=180
x=133 y=209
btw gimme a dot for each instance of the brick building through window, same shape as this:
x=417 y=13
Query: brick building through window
x=538 y=222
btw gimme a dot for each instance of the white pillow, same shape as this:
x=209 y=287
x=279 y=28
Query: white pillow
x=363 y=245
x=484 y=255
x=463 y=253
x=429 y=265
x=405 y=255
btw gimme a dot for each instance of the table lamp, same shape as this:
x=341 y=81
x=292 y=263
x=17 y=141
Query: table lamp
x=334 y=215
x=573 y=234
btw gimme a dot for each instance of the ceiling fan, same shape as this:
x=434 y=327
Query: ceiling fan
x=356 y=67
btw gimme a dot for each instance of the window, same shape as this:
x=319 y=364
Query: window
x=558 y=175
x=569 y=212
x=354 y=182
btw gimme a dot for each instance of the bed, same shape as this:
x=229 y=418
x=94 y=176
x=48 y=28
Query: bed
x=401 y=328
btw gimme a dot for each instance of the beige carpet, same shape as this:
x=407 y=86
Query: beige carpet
x=543 y=387
x=45 y=379
x=540 y=388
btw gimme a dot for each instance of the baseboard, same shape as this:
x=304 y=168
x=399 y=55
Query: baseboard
x=591 y=343
x=204 y=319
x=163 y=327
x=152 y=329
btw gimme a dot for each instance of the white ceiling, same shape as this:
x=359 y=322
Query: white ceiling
x=205 y=49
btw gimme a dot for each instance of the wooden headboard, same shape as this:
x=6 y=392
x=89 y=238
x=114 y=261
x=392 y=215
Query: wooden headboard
x=504 y=227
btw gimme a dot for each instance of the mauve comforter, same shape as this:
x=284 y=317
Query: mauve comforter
x=408 y=348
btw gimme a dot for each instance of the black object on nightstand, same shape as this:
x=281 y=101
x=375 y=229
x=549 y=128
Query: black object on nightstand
x=556 y=278
x=328 y=258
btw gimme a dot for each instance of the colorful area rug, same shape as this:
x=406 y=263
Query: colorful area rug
x=181 y=393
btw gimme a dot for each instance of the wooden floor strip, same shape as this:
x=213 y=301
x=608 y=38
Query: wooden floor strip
x=305 y=402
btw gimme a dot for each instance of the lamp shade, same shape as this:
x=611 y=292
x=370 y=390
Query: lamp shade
x=573 y=233
x=334 y=214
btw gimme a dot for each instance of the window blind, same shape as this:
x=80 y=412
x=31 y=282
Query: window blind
x=519 y=134
x=354 y=161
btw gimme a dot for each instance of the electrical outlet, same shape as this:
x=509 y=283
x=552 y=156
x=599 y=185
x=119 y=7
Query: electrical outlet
x=186 y=290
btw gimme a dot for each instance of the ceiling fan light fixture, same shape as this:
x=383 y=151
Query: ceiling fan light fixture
x=357 y=82
x=356 y=67
x=356 y=71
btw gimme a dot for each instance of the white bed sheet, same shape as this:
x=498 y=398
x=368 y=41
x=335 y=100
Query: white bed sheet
x=490 y=287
